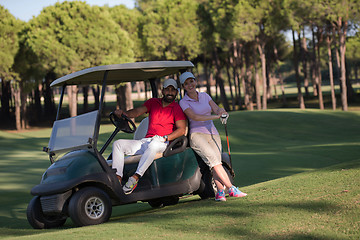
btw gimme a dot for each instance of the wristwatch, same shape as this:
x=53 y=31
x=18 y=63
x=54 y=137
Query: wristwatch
x=165 y=137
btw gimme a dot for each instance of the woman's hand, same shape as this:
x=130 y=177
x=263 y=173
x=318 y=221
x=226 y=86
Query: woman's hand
x=224 y=118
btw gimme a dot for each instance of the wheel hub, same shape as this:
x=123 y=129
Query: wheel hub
x=94 y=208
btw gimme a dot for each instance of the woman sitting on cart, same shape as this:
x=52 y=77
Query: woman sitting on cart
x=204 y=137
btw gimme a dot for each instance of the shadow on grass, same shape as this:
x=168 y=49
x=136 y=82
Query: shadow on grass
x=234 y=219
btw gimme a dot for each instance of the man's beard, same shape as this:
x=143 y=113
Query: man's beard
x=169 y=98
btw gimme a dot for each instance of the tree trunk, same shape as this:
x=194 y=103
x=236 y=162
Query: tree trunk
x=138 y=90
x=119 y=99
x=230 y=85
x=279 y=76
x=208 y=87
x=146 y=89
x=240 y=77
x=257 y=81
x=349 y=88
x=274 y=84
x=86 y=98
x=15 y=89
x=247 y=84
x=123 y=97
x=356 y=72
x=211 y=78
x=333 y=97
x=313 y=76
x=246 y=92
x=234 y=71
x=337 y=56
x=49 y=105
x=282 y=90
x=38 y=106
x=318 y=70
x=129 y=101
x=304 y=54
x=313 y=66
x=298 y=83
x=23 y=115
x=249 y=89
x=268 y=80
x=342 y=38
x=261 y=48
x=96 y=93
x=5 y=101
x=72 y=95
x=220 y=82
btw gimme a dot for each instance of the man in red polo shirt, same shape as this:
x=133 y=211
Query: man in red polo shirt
x=166 y=122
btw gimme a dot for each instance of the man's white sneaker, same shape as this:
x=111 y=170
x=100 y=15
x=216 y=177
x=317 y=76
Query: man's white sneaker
x=130 y=185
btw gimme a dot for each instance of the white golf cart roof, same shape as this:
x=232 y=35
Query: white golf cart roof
x=127 y=72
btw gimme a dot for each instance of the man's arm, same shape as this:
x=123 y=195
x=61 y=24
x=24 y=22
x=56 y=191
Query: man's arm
x=180 y=130
x=132 y=113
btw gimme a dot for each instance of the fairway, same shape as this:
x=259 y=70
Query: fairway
x=301 y=169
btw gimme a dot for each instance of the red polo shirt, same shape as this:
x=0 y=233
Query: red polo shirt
x=162 y=119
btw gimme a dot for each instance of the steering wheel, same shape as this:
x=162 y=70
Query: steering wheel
x=124 y=123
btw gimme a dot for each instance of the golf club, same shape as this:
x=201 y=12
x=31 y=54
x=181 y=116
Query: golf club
x=224 y=122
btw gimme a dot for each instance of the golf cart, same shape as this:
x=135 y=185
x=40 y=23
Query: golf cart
x=80 y=182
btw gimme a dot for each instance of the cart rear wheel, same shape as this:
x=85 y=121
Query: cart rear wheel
x=90 y=206
x=38 y=220
x=208 y=185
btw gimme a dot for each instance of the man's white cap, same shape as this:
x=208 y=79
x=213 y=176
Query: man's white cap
x=170 y=82
x=185 y=76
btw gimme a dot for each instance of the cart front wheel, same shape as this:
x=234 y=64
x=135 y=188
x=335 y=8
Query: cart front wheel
x=38 y=220
x=90 y=206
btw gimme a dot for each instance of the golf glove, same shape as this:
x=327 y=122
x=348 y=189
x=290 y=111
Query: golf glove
x=158 y=138
x=224 y=118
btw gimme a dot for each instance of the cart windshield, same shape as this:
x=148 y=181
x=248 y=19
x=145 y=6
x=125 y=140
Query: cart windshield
x=73 y=133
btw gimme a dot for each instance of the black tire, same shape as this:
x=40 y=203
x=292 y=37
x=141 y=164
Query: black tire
x=38 y=220
x=172 y=200
x=207 y=185
x=165 y=201
x=156 y=203
x=90 y=206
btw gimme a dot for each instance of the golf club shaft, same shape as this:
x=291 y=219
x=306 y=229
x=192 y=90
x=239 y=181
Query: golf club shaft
x=228 y=144
x=227 y=139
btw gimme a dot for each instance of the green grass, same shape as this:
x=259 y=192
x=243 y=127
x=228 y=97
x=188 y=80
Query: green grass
x=301 y=170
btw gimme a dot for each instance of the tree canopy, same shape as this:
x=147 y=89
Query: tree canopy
x=239 y=45
x=9 y=42
x=71 y=36
x=170 y=30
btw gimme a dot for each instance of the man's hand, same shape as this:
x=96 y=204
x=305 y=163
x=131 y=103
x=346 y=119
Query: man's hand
x=119 y=112
x=158 y=138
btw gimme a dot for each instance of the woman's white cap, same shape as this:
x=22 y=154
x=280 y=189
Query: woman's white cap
x=185 y=76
